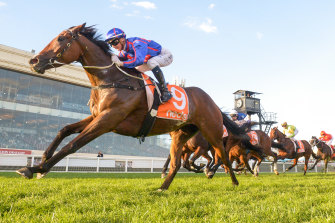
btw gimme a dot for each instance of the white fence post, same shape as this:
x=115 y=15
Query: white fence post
x=32 y=161
x=316 y=168
x=98 y=164
x=126 y=166
x=67 y=164
x=152 y=166
x=283 y=167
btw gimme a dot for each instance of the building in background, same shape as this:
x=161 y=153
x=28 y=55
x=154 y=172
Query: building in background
x=34 y=107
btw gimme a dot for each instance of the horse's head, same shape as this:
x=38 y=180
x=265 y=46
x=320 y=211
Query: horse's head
x=314 y=141
x=64 y=48
x=274 y=133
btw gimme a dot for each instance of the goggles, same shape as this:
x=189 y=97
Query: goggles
x=114 y=42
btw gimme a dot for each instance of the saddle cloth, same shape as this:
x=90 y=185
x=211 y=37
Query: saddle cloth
x=177 y=108
x=225 y=132
x=253 y=137
x=301 y=145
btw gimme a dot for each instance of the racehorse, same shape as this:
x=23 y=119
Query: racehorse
x=324 y=152
x=290 y=148
x=118 y=104
x=199 y=147
x=264 y=144
x=237 y=148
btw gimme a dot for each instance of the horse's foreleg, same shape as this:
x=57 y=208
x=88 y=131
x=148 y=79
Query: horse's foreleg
x=179 y=138
x=209 y=160
x=96 y=128
x=198 y=152
x=244 y=160
x=165 y=167
x=316 y=162
x=63 y=133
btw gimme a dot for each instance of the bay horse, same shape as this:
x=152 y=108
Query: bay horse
x=290 y=151
x=118 y=104
x=237 y=148
x=264 y=144
x=324 y=153
x=198 y=146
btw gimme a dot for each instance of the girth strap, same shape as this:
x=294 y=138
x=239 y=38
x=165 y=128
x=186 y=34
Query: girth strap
x=150 y=118
x=117 y=85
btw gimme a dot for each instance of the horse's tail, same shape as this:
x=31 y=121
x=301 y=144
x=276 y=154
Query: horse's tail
x=278 y=146
x=246 y=144
x=232 y=126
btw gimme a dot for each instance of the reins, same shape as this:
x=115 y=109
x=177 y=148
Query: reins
x=67 y=46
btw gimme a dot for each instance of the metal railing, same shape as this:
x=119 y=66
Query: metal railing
x=127 y=164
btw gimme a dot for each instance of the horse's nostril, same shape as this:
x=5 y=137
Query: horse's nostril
x=33 y=61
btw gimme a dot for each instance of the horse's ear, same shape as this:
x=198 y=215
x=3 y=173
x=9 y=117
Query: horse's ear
x=80 y=27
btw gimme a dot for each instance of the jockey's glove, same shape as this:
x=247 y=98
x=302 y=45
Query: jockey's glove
x=116 y=60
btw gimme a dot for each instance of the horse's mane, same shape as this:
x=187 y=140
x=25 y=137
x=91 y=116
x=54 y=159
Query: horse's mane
x=90 y=33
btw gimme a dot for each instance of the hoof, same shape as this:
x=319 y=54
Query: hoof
x=206 y=170
x=160 y=190
x=41 y=175
x=25 y=172
x=210 y=175
x=276 y=172
x=163 y=175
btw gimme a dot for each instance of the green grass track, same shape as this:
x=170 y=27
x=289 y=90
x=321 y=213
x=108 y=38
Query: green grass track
x=111 y=197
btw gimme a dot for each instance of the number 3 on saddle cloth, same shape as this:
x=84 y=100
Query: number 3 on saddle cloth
x=252 y=135
x=301 y=145
x=177 y=108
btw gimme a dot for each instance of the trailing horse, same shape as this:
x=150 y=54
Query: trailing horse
x=291 y=152
x=118 y=104
x=198 y=146
x=324 y=153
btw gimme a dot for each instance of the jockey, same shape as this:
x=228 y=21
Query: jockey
x=142 y=54
x=327 y=138
x=239 y=118
x=290 y=132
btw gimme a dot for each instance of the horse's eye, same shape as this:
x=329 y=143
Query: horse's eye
x=61 y=38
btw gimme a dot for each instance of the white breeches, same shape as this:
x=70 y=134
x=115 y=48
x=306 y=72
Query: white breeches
x=165 y=58
x=329 y=142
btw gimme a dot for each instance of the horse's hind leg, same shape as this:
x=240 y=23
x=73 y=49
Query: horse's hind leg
x=295 y=161
x=326 y=165
x=166 y=164
x=179 y=138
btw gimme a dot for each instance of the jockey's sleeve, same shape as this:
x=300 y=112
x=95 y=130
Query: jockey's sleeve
x=140 y=49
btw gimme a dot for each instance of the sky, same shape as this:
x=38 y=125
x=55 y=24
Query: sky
x=283 y=49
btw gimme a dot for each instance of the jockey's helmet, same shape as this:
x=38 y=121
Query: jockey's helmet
x=323 y=133
x=114 y=33
x=284 y=124
x=233 y=113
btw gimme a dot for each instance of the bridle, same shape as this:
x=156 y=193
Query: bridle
x=315 y=144
x=68 y=45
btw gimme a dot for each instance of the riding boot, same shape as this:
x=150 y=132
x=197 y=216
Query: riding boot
x=166 y=94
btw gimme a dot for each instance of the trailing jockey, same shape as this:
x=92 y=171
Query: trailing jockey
x=327 y=138
x=290 y=132
x=142 y=54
